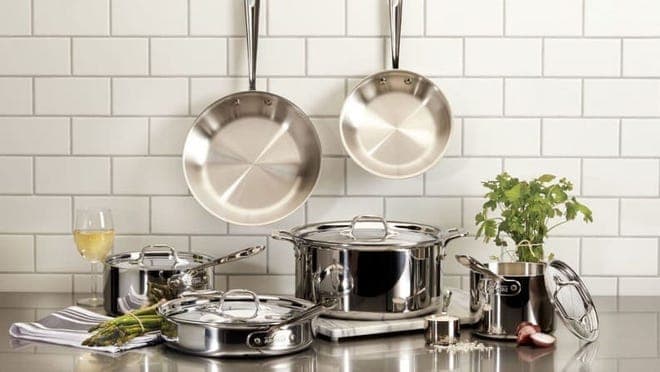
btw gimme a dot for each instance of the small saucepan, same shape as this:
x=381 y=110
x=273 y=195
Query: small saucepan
x=135 y=279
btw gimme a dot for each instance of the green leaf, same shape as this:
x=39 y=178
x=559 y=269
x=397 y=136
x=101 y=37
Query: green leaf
x=546 y=178
x=513 y=194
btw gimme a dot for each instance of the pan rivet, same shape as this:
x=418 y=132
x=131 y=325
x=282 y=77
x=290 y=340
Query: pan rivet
x=292 y=337
x=408 y=81
x=383 y=80
x=237 y=101
x=268 y=101
x=257 y=341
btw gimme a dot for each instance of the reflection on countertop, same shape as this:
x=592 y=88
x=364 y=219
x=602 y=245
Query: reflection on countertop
x=629 y=341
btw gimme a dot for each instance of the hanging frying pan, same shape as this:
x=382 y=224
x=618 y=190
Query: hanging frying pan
x=252 y=158
x=395 y=123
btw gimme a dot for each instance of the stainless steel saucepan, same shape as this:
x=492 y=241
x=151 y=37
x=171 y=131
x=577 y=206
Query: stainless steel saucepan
x=135 y=279
x=252 y=158
x=396 y=123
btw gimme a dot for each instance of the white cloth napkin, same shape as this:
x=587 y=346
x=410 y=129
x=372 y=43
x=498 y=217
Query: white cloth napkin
x=69 y=327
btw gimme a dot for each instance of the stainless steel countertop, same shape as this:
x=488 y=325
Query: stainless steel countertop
x=629 y=341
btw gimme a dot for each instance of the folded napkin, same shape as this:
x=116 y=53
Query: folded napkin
x=69 y=327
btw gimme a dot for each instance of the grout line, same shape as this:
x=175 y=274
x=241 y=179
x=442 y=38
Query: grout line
x=32 y=17
x=188 y=17
x=584 y=16
x=345 y=17
x=504 y=19
x=110 y=31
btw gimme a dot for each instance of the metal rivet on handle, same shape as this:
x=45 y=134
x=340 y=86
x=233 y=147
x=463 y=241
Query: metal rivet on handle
x=268 y=101
x=408 y=81
x=236 y=101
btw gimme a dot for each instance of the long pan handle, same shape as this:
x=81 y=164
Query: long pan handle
x=252 y=36
x=396 y=10
x=234 y=256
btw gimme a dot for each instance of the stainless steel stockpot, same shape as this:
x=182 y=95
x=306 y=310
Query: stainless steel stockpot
x=239 y=323
x=135 y=279
x=391 y=271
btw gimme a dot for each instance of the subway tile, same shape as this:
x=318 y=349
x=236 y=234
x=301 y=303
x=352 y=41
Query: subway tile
x=331 y=179
x=619 y=256
x=221 y=17
x=502 y=137
x=472 y=96
x=502 y=57
x=629 y=97
x=148 y=176
x=110 y=136
x=167 y=135
x=198 y=56
x=134 y=243
x=323 y=209
x=606 y=220
x=565 y=249
x=305 y=17
x=465 y=17
x=72 y=96
x=297 y=218
x=582 y=57
x=601 y=286
x=15 y=96
x=34 y=56
x=366 y=56
x=150 y=96
x=110 y=56
x=440 y=212
x=34 y=136
x=455 y=143
x=472 y=206
x=274 y=284
x=190 y=217
x=218 y=246
x=16 y=175
x=277 y=56
x=640 y=217
x=639 y=137
x=638 y=364
x=612 y=177
x=371 y=18
x=621 y=18
x=581 y=137
x=220 y=282
x=639 y=286
x=82 y=283
x=70 y=17
x=469 y=246
x=72 y=175
x=328 y=131
x=149 y=17
x=431 y=56
x=35 y=214
x=528 y=168
x=130 y=214
x=18 y=253
x=361 y=182
x=58 y=253
x=15 y=17
x=542 y=97
x=639 y=57
x=281 y=257
x=315 y=96
x=544 y=17
x=205 y=91
x=461 y=176
x=35 y=283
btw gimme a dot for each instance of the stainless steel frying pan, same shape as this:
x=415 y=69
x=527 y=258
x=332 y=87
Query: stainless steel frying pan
x=396 y=123
x=252 y=158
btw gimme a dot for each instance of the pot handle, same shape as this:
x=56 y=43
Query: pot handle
x=449 y=235
x=234 y=256
x=254 y=296
x=396 y=10
x=261 y=339
x=156 y=248
x=252 y=37
x=283 y=235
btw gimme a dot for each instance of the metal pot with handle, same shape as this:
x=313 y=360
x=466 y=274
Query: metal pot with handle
x=135 y=279
x=376 y=269
x=239 y=323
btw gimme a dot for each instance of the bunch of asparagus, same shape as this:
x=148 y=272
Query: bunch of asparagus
x=118 y=331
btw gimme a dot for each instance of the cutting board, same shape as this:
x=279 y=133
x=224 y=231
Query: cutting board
x=337 y=329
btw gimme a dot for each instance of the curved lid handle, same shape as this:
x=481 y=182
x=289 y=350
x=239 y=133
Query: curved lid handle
x=156 y=248
x=369 y=218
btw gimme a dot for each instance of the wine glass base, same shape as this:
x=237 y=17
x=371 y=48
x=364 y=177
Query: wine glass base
x=90 y=302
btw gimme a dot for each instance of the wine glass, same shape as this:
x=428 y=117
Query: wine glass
x=94 y=235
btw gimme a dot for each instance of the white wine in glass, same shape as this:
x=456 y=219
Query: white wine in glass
x=94 y=235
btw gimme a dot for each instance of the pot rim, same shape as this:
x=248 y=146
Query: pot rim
x=114 y=259
x=518 y=269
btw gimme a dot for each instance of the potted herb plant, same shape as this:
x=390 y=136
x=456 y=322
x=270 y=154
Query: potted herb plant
x=525 y=212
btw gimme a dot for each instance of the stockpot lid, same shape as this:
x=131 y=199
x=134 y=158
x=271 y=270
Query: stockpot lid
x=236 y=308
x=572 y=300
x=370 y=231
x=157 y=257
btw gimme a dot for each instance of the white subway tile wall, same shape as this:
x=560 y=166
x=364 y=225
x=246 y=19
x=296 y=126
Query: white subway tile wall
x=96 y=98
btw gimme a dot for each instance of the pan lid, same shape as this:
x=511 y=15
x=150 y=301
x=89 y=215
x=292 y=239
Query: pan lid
x=157 y=257
x=370 y=231
x=572 y=300
x=236 y=308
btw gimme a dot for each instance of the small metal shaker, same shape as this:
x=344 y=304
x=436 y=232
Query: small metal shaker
x=442 y=329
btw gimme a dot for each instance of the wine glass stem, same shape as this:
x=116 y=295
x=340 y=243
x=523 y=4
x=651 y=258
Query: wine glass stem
x=93 y=288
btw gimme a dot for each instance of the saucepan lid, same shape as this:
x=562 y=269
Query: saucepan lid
x=157 y=257
x=572 y=300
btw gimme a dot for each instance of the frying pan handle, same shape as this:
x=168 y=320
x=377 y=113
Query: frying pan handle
x=252 y=36
x=396 y=9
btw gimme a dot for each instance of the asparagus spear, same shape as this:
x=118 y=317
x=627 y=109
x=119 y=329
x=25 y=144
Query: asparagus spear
x=118 y=331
